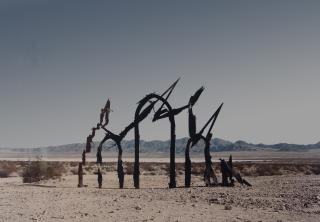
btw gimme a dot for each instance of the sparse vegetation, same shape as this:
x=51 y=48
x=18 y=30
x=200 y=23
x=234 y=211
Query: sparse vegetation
x=7 y=168
x=129 y=168
x=33 y=171
x=3 y=174
x=38 y=170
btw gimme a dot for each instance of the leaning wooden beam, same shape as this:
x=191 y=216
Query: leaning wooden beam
x=225 y=171
x=228 y=171
x=103 y=121
x=209 y=175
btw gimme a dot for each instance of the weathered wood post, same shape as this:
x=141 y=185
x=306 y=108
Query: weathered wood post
x=120 y=167
x=80 y=175
x=231 y=171
x=84 y=158
x=224 y=172
x=136 y=167
x=172 y=183
x=187 y=166
x=99 y=178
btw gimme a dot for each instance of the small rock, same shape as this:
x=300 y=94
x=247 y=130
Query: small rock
x=137 y=208
x=227 y=207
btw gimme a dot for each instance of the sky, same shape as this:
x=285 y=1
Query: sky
x=61 y=60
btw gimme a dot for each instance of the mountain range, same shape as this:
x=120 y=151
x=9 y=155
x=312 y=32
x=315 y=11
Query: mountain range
x=157 y=146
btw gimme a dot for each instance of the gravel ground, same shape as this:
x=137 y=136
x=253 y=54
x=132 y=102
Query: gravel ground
x=272 y=198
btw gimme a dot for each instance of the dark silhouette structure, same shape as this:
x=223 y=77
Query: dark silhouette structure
x=99 y=178
x=209 y=176
x=228 y=172
x=84 y=158
x=164 y=110
x=90 y=138
x=80 y=175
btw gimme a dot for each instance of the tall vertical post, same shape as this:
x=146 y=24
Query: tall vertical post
x=120 y=167
x=80 y=175
x=172 y=183
x=187 y=166
x=136 y=171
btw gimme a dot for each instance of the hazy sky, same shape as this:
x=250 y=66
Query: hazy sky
x=61 y=60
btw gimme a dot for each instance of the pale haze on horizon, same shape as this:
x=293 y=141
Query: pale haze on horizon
x=61 y=60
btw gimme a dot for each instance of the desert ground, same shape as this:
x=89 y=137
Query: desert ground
x=280 y=192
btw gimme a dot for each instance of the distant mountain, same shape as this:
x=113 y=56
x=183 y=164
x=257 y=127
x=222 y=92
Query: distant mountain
x=157 y=146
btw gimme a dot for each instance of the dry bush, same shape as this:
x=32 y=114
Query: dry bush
x=110 y=167
x=197 y=168
x=129 y=168
x=166 y=168
x=148 y=167
x=74 y=171
x=268 y=169
x=315 y=169
x=74 y=164
x=38 y=170
x=4 y=174
x=89 y=168
x=151 y=169
x=7 y=168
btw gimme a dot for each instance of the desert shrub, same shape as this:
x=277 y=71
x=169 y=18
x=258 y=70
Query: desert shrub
x=179 y=172
x=268 y=169
x=197 y=169
x=38 y=170
x=74 y=171
x=315 y=169
x=129 y=168
x=4 y=174
x=245 y=170
x=74 y=164
x=89 y=168
x=7 y=168
x=110 y=167
x=10 y=167
x=148 y=167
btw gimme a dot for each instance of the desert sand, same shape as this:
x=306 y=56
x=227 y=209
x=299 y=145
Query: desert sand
x=271 y=198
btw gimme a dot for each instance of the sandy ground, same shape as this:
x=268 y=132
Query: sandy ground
x=272 y=198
